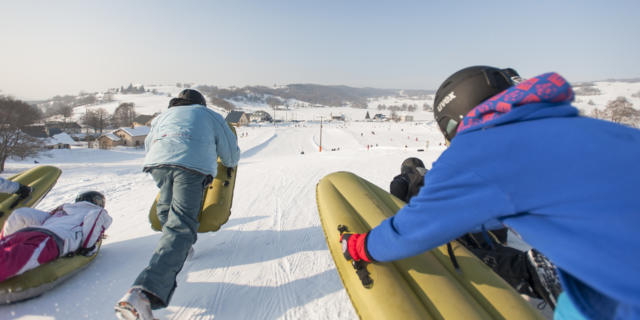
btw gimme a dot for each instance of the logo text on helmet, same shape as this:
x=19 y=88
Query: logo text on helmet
x=446 y=101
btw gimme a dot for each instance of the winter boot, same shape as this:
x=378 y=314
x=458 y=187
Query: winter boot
x=134 y=305
x=544 y=277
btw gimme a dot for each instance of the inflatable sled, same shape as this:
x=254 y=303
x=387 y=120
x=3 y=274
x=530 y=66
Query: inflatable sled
x=37 y=281
x=426 y=286
x=40 y=178
x=216 y=206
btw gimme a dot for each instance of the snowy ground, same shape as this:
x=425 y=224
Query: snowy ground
x=269 y=261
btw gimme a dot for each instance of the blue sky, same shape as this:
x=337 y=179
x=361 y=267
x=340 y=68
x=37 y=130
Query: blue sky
x=63 y=47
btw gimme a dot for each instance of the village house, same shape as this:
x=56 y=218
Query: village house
x=108 y=141
x=132 y=137
x=261 y=116
x=143 y=120
x=237 y=118
x=59 y=141
x=68 y=127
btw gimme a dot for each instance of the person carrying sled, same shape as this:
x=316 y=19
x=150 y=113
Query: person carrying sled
x=525 y=158
x=32 y=237
x=528 y=272
x=8 y=186
x=182 y=148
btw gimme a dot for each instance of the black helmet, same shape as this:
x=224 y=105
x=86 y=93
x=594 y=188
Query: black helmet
x=94 y=197
x=464 y=90
x=188 y=97
x=411 y=165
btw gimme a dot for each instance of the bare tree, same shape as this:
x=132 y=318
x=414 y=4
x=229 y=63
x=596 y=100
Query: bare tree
x=15 y=114
x=124 y=114
x=97 y=119
x=621 y=111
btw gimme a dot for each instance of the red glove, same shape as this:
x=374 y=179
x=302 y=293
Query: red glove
x=354 y=246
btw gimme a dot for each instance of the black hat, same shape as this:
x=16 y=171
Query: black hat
x=410 y=165
x=94 y=197
x=188 y=97
x=466 y=89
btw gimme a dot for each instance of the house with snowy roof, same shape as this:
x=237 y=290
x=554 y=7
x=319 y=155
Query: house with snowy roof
x=59 y=141
x=237 y=118
x=132 y=137
x=108 y=141
x=143 y=120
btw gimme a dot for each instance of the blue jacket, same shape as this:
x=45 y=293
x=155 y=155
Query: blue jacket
x=192 y=137
x=567 y=184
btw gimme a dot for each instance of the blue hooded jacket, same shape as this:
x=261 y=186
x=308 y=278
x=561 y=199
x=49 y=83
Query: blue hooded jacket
x=192 y=137
x=567 y=184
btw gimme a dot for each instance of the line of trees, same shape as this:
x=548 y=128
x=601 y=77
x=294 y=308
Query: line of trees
x=14 y=115
x=99 y=119
x=403 y=107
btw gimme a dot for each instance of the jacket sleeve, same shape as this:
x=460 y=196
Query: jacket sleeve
x=8 y=186
x=23 y=218
x=451 y=203
x=227 y=143
x=94 y=225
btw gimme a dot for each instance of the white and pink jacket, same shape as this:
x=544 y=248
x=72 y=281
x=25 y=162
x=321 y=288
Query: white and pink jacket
x=78 y=225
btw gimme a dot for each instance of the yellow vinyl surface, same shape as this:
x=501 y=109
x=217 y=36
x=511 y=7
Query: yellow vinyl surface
x=40 y=178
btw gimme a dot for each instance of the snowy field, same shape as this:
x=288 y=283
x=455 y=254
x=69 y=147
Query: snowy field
x=269 y=261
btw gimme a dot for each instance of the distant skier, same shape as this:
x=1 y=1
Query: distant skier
x=8 y=186
x=31 y=237
x=522 y=156
x=182 y=147
x=528 y=272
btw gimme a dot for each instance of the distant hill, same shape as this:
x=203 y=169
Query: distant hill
x=311 y=94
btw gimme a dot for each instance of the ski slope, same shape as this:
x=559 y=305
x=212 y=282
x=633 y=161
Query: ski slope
x=270 y=261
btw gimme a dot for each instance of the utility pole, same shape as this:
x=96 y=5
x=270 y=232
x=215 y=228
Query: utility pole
x=320 y=134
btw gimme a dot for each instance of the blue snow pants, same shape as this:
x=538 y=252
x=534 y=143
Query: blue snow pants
x=181 y=195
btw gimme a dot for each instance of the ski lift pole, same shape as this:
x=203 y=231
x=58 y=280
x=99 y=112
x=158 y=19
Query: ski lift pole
x=320 y=134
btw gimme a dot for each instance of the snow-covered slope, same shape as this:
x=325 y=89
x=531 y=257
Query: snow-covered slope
x=269 y=261
x=609 y=91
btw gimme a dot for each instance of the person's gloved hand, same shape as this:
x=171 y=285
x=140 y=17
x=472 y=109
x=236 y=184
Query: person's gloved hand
x=23 y=192
x=354 y=246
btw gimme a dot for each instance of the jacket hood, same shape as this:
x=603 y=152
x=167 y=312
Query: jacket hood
x=547 y=95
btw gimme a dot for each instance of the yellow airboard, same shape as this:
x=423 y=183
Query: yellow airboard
x=41 y=279
x=216 y=207
x=40 y=178
x=421 y=287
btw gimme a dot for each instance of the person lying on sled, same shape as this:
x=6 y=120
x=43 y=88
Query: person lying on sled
x=31 y=237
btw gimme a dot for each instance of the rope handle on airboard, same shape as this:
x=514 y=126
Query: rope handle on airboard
x=360 y=266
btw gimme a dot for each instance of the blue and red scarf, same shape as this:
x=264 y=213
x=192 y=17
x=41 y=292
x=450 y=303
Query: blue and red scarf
x=549 y=87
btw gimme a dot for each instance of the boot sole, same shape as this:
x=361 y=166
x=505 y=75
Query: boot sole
x=125 y=311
